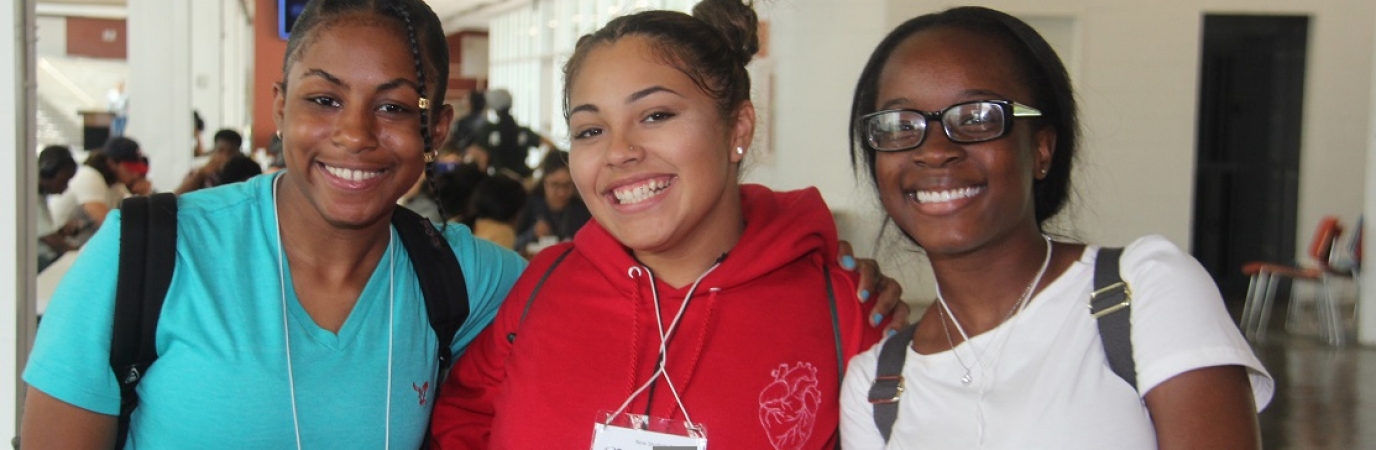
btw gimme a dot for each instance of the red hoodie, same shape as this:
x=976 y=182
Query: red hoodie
x=754 y=357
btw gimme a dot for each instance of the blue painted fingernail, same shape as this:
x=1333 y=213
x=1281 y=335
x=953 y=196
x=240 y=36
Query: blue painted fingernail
x=848 y=262
x=864 y=295
x=892 y=332
x=876 y=319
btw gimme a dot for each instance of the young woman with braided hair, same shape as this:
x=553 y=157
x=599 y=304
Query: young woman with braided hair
x=294 y=318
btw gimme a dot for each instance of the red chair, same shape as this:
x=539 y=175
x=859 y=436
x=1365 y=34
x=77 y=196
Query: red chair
x=1266 y=276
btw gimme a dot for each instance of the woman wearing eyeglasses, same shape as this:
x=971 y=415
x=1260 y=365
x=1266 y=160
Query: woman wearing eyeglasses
x=966 y=121
x=554 y=211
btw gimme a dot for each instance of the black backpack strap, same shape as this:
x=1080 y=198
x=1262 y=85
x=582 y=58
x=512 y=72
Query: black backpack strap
x=835 y=325
x=1111 y=306
x=888 y=380
x=511 y=337
x=836 y=335
x=441 y=282
x=147 y=259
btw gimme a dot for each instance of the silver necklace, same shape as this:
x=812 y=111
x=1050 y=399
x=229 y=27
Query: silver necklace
x=1018 y=306
x=286 y=328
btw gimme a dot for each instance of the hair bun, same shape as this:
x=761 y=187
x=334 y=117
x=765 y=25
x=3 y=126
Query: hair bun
x=736 y=21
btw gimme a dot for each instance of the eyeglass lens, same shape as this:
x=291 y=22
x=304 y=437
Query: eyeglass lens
x=968 y=122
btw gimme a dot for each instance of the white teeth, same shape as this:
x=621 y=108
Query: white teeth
x=947 y=195
x=641 y=192
x=351 y=174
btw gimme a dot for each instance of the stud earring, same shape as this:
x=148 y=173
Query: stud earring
x=430 y=157
x=279 y=134
x=740 y=150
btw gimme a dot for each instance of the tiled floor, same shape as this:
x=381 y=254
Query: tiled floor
x=1325 y=396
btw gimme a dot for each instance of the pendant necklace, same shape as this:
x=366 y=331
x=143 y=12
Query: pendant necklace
x=1018 y=306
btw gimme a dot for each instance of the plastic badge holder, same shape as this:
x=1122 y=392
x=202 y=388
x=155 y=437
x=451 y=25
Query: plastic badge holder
x=640 y=432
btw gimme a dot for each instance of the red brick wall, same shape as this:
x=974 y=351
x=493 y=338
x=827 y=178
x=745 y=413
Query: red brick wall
x=459 y=87
x=96 y=38
x=268 y=50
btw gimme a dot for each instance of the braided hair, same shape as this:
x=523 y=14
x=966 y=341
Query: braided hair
x=425 y=36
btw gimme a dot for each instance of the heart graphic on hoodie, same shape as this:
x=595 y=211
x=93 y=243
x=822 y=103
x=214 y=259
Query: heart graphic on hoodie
x=788 y=405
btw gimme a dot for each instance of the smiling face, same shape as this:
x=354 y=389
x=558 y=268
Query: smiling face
x=350 y=121
x=651 y=154
x=955 y=198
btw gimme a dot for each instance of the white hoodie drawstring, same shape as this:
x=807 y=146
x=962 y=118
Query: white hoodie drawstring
x=634 y=272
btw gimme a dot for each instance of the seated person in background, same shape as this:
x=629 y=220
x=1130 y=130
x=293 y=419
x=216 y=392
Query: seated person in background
x=554 y=212
x=454 y=183
x=238 y=168
x=55 y=168
x=496 y=202
x=421 y=199
x=227 y=144
x=109 y=175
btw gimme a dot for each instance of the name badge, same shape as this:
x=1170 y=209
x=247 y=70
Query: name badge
x=640 y=432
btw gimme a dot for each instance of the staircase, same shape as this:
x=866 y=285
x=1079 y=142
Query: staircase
x=66 y=86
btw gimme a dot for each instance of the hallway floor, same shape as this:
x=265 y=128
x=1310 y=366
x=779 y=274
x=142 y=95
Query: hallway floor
x=1324 y=395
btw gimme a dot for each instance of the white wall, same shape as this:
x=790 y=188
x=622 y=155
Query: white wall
x=16 y=255
x=1137 y=76
x=816 y=51
x=52 y=36
x=1135 y=66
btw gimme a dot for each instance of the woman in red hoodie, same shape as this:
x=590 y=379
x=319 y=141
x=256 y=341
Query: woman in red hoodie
x=663 y=313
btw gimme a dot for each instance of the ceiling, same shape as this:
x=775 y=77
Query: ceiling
x=457 y=15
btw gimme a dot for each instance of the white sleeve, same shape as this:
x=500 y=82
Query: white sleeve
x=88 y=186
x=858 y=431
x=1179 y=322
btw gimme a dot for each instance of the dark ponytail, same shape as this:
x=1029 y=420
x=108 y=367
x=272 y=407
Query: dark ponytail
x=711 y=47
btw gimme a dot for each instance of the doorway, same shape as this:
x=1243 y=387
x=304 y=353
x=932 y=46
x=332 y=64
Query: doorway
x=1251 y=96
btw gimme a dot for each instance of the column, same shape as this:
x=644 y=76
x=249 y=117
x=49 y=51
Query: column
x=159 y=86
x=19 y=173
x=1366 y=318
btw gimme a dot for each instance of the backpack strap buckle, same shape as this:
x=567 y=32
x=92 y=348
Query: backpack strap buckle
x=886 y=389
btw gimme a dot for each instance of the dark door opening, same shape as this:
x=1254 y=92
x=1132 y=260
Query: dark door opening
x=1251 y=94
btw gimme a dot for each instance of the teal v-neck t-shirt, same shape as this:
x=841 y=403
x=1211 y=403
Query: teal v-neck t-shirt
x=221 y=379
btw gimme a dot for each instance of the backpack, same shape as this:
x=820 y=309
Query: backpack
x=1110 y=304
x=148 y=251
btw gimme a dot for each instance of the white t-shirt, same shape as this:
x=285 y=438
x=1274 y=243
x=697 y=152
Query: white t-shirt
x=86 y=186
x=1044 y=381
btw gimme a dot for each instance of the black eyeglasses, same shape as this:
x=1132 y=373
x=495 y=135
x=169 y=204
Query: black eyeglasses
x=978 y=121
